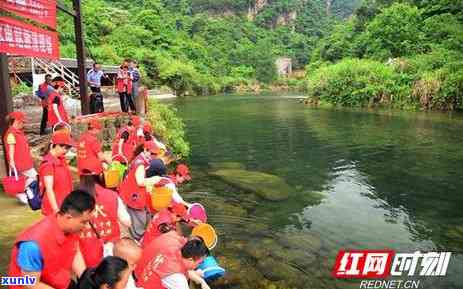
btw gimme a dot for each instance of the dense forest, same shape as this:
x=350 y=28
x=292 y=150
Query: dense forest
x=401 y=53
x=205 y=46
x=406 y=54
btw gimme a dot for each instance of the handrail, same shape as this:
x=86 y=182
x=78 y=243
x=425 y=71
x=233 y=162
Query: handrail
x=63 y=70
x=57 y=69
x=67 y=74
x=70 y=79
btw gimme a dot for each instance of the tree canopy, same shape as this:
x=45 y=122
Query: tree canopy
x=202 y=46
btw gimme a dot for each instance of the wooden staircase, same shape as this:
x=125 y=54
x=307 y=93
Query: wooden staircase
x=55 y=67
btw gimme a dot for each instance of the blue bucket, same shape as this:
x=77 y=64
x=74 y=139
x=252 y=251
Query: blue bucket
x=211 y=269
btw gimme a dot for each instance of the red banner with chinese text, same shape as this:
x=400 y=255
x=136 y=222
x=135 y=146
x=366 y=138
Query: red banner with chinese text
x=41 y=11
x=17 y=38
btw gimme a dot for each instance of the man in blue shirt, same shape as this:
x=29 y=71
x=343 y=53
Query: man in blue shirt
x=94 y=76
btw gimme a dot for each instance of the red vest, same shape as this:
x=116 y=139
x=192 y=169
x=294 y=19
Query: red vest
x=122 y=87
x=87 y=159
x=52 y=118
x=127 y=147
x=58 y=251
x=22 y=152
x=62 y=182
x=152 y=232
x=133 y=195
x=161 y=258
x=105 y=223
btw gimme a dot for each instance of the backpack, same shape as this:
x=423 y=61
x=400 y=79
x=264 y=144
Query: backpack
x=43 y=94
x=34 y=193
x=40 y=94
x=34 y=196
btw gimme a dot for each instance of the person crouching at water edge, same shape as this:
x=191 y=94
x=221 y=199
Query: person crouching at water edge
x=108 y=220
x=49 y=249
x=54 y=174
x=164 y=221
x=133 y=188
x=169 y=261
x=111 y=273
x=18 y=152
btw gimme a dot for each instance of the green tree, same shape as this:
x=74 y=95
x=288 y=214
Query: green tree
x=395 y=32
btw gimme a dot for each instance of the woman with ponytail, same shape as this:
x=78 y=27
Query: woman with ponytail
x=111 y=273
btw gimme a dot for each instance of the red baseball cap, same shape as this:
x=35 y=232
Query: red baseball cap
x=183 y=171
x=147 y=127
x=62 y=138
x=17 y=115
x=136 y=121
x=95 y=124
x=151 y=146
x=180 y=210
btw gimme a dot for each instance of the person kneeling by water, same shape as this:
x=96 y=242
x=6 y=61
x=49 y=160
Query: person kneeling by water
x=169 y=261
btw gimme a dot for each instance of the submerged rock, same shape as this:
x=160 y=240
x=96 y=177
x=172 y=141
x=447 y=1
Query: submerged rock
x=240 y=274
x=312 y=198
x=455 y=233
x=276 y=271
x=268 y=187
x=227 y=165
x=300 y=241
x=271 y=255
x=220 y=206
x=261 y=249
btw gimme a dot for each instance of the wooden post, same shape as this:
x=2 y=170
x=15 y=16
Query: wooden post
x=84 y=98
x=6 y=102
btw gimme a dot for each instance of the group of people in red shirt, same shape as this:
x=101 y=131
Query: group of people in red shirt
x=70 y=246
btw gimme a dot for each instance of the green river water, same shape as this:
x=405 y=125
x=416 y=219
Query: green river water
x=389 y=180
x=359 y=180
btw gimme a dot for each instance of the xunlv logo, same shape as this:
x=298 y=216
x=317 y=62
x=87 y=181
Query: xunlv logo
x=23 y=280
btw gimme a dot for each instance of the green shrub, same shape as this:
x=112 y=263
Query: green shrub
x=22 y=87
x=441 y=89
x=167 y=124
x=354 y=82
x=432 y=81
